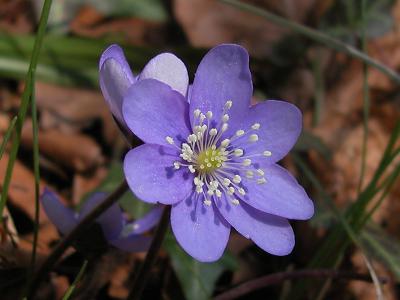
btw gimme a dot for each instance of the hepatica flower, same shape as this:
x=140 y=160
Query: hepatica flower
x=127 y=236
x=212 y=156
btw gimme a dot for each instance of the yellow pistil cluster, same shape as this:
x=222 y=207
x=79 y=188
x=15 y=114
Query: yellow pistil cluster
x=210 y=160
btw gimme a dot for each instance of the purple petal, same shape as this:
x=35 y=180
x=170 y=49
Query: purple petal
x=271 y=233
x=146 y=223
x=169 y=69
x=111 y=221
x=153 y=111
x=132 y=243
x=281 y=195
x=62 y=217
x=199 y=229
x=281 y=124
x=151 y=176
x=222 y=75
x=115 y=79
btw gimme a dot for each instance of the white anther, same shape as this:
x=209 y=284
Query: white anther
x=225 y=143
x=237 y=179
x=240 y=132
x=224 y=127
x=235 y=202
x=192 y=138
x=177 y=165
x=203 y=128
x=209 y=114
x=191 y=169
x=213 y=132
x=225 y=118
x=197 y=181
x=202 y=118
x=255 y=126
x=261 y=180
x=210 y=192
x=228 y=104
x=199 y=189
x=246 y=162
x=226 y=182
x=231 y=190
x=218 y=193
x=196 y=113
x=207 y=202
x=170 y=140
x=267 y=153
x=253 y=138
x=260 y=172
x=242 y=191
x=214 y=184
x=249 y=174
x=238 y=152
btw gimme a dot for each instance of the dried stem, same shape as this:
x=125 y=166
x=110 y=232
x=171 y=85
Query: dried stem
x=68 y=239
x=276 y=278
x=141 y=277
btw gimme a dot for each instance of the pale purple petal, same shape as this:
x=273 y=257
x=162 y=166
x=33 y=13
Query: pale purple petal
x=153 y=111
x=271 y=233
x=281 y=195
x=280 y=126
x=147 y=222
x=115 y=79
x=111 y=221
x=62 y=217
x=132 y=243
x=199 y=229
x=151 y=176
x=169 y=69
x=222 y=75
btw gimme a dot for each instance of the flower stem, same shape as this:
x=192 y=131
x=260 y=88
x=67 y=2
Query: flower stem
x=275 y=278
x=75 y=233
x=144 y=272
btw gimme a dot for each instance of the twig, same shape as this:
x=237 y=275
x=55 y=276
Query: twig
x=141 y=277
x=262 y=282
x=68 y=239
x=316 y=36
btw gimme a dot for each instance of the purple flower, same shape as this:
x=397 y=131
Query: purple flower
x=116 y=76
x=117 y=231
x=212 y=156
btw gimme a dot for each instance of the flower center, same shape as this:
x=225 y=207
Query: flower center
x=219 y=161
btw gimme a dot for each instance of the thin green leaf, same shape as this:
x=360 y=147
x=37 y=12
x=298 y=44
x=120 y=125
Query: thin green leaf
x=197 y=279
x=7 y=136
x=78 y=277
x=317 y=36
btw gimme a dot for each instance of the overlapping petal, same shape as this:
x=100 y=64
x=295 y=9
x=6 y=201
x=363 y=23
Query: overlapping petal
x=169 y=69
x=151 y=176
x=148 y=221
x=199 y=229
x=115 y=79
x=222 y=75
x=62 y=217
x=271 y=233
x=153 y=111
x=281 y=195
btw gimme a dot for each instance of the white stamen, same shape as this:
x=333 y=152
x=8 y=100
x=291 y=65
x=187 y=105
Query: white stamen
x=207 y=202
x=231 y=190
x=261 y=180
x=242 y=191
x=235 y=201
x=255 y=126
x=261 y=172
x=224 y=127
x=237 y=179
x=209 y=114
x=267 y=153
x=177 y=165
x=192 y=138
x=218 y=193
x=196 y=113
x=170 y=140
x=191 y=169
x=246 y=162
x=225 y=143
x=228 y=104
x=213 y=132
x=249 y=174
x=226 y=182
x=210 y=192
x=199 y=189
x=253 y=138
x=238 y=152
x=225 y=118
x=240 y=132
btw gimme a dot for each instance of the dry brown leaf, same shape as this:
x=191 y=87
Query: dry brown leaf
x=84 y=183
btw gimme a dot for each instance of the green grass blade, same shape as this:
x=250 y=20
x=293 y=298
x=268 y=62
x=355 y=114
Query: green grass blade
x=26 y=96
x=317 y=36
x=78 y=277
x=7 y=136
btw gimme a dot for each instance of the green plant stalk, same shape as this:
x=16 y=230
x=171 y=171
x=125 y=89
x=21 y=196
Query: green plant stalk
x=7 y=136
x=26 y=96
x=317 y=36
x=78 y=277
